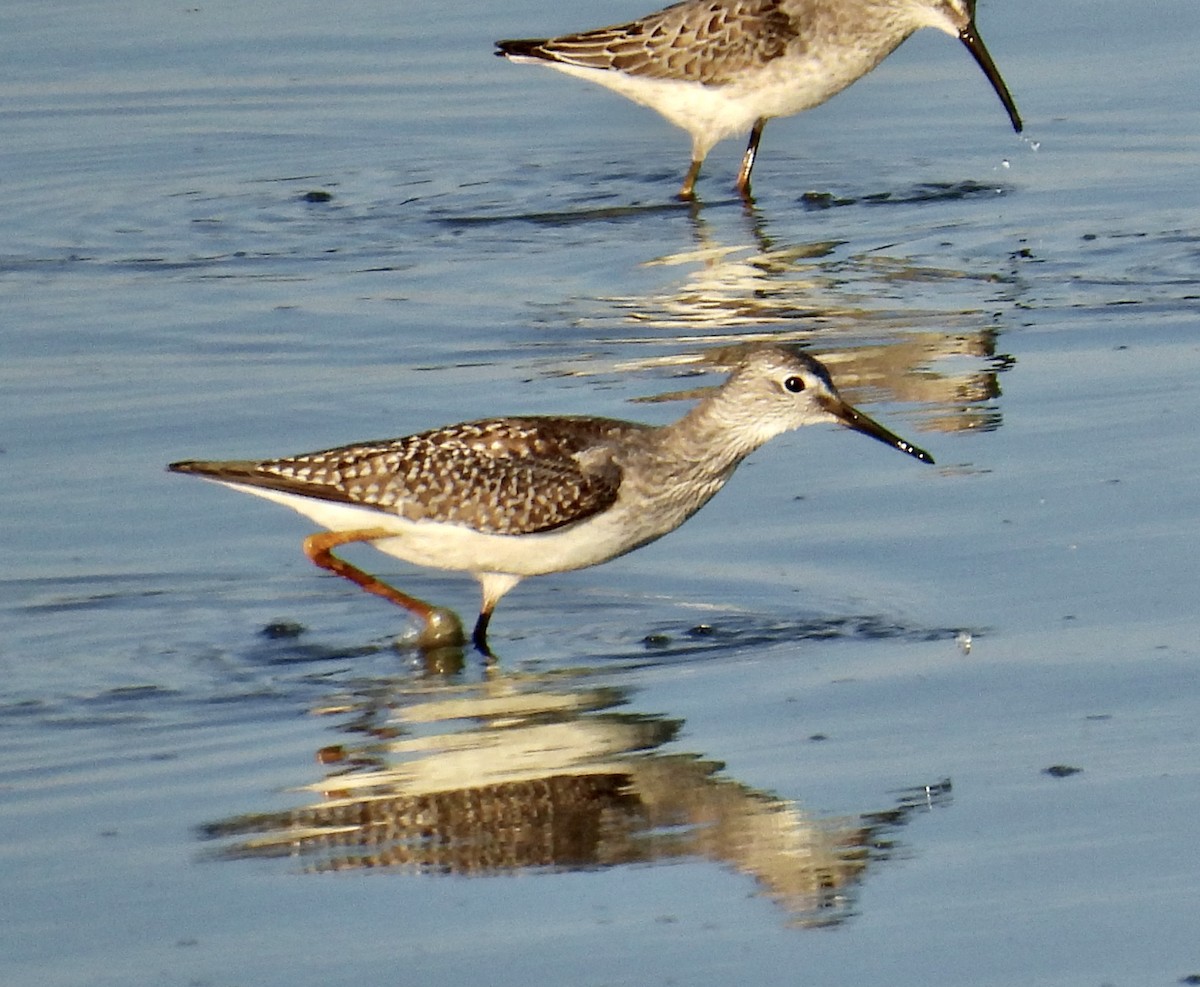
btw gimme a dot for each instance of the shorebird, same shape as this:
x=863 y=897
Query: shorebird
x=718 y=67
x=507 y=498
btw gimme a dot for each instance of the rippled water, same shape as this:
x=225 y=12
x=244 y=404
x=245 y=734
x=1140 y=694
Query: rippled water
x=860 y=720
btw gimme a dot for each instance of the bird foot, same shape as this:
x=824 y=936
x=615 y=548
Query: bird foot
x=442 y=629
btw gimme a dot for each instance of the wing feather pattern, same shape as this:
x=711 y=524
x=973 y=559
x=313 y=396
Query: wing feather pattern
x=707 y=41
x=509 y=476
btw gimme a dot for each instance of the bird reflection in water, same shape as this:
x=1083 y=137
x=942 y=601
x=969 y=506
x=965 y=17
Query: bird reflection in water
x=518 y=774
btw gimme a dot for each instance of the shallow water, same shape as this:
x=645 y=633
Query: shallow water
x=806 y=735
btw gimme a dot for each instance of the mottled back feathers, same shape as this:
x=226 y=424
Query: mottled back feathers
x=510 y=476
x=675 y=43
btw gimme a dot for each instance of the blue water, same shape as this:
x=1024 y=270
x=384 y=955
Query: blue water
x=724 y=756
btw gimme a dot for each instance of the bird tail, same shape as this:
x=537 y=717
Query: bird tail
x=522 y=48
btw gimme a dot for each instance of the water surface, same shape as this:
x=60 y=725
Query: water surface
x=805 y=736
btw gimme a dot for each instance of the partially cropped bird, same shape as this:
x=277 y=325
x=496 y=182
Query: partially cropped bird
x=721 y=67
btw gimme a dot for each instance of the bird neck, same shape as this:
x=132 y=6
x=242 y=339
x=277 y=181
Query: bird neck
x=715 y=435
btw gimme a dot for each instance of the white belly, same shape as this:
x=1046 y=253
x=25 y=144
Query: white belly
x=712 y=113
x=455 y=547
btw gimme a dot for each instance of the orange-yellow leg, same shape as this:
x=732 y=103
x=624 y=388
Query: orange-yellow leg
x=688 y=190
x=743 y=179
x=441 y=627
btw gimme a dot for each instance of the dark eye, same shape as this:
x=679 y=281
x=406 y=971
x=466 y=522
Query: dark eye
x=794 y=384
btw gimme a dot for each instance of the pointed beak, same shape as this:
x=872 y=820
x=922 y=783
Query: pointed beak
x=851 y=417
x=970 y=37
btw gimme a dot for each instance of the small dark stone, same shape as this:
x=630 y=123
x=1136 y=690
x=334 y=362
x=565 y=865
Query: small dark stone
x=1061 y=771
x=317 y=195
x=279 y=630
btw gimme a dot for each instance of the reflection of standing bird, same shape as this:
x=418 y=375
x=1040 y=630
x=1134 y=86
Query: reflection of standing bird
x=718 y=67
x=507 y=498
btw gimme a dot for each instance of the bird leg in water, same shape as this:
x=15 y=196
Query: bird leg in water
x=743 y=179
x=441 y=627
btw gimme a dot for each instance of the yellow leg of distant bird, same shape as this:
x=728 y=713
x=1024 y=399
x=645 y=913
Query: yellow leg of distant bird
x=743 y=179
x=688 y=190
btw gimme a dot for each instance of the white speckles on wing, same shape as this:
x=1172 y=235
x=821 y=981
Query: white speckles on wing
x=501 y=476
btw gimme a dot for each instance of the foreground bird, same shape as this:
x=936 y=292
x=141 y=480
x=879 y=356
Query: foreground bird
x=718 y=67
x=506 y=498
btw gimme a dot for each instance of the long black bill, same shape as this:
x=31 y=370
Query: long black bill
x=851 y=417
x=970 y=37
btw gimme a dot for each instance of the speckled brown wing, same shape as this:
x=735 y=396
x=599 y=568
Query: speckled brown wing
x=507 y=476
x=708 y=41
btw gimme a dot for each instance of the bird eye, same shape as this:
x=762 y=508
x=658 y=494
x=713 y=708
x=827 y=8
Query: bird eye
x=794 y=384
